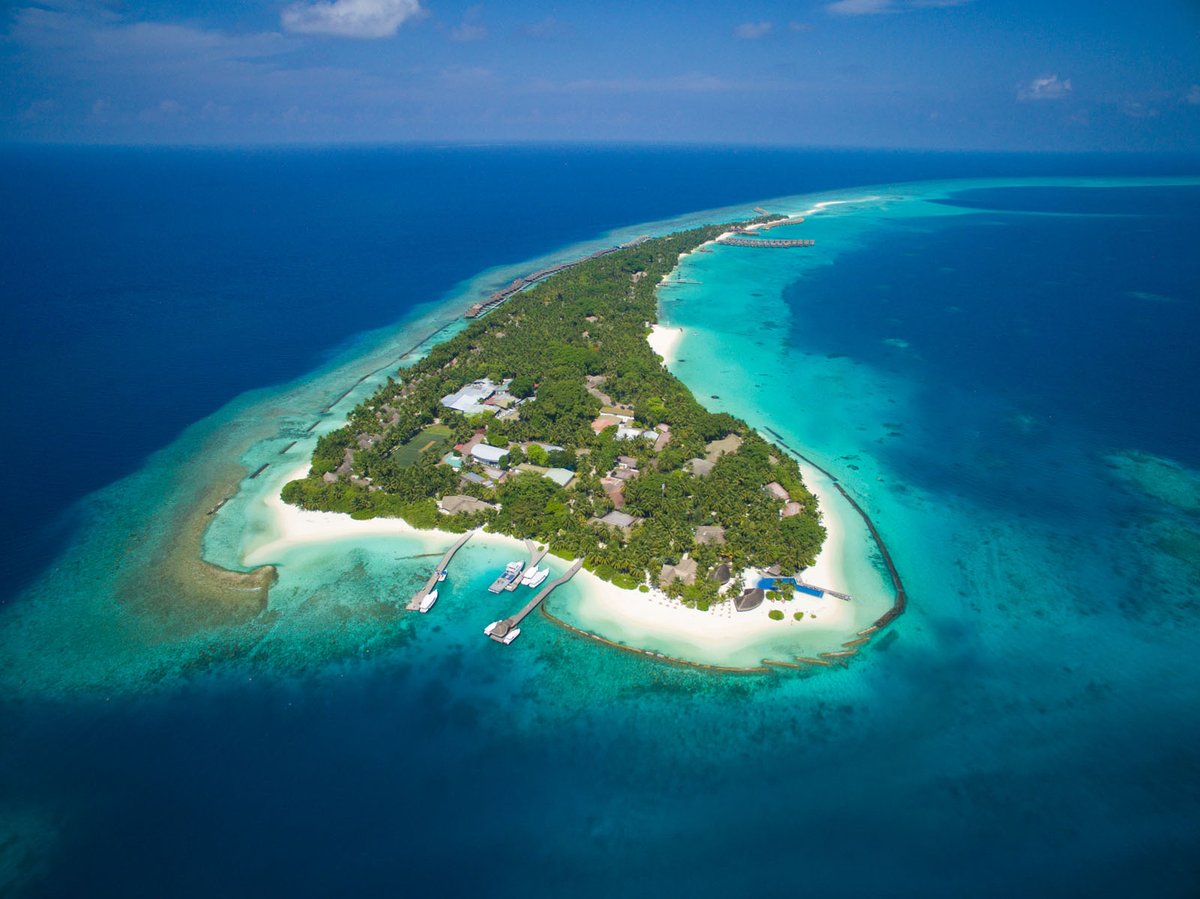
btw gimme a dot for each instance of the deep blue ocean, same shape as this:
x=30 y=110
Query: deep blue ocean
x=144 y=288
x=989 y=749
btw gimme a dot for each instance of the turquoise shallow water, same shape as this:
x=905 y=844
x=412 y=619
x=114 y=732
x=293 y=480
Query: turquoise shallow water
x=1030 y=725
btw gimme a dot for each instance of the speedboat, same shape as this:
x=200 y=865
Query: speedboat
x=429 y=600
x=539 y=576
x=441 y=576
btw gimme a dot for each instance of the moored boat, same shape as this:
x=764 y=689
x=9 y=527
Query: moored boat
x=429 y=600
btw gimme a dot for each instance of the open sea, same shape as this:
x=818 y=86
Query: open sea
x=995 y=354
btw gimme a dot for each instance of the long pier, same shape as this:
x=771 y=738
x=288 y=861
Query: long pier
x=506 y=630
x=520 y=284
x=774 y=243
x=414 y=604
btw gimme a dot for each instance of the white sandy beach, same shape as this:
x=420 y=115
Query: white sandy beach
x=651 y=620
x=664 y=341
x=721 y=635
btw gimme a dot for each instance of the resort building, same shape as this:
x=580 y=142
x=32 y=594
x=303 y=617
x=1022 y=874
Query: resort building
x=620 y=413
x=791 y=508
x=624 y=433
x=561 y=476
x=458 y=504
x=713 y=535
x=469 y=400
x=622 y=521
x=488 y=455
x=472 y=478
x=701 y=468
x=614 y=489
x=776 y=490
x=749 y=600
x=684 y=570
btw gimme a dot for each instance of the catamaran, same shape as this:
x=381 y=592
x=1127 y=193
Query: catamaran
x=429 y=600
x=539 y=575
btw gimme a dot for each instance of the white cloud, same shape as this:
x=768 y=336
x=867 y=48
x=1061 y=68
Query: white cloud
x=800 y=27
x=875 y=7
x=753 y=30
x=1045 y=87
x=692 y=83
x=350 y=18
x=471 y=28
x=549 y=27
x=860 y=7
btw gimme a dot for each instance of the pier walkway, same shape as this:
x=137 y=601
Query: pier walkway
x=507 y=629
x=414 y=604
x=502 y=583
x=768 y=243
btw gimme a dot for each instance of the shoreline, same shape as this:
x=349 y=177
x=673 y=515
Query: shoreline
x=646 y=622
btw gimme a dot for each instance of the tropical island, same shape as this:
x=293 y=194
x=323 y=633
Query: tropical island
x=553 y=419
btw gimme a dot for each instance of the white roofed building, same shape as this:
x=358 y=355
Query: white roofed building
x=488 y=455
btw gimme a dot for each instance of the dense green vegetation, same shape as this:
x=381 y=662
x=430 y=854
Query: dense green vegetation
x=589 y=321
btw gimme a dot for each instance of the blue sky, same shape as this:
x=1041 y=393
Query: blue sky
x=981 y=74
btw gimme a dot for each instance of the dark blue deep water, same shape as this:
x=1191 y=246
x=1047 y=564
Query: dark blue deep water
x=143 y=289
x=984 y=750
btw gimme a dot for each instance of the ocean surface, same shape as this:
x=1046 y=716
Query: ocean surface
x=994 y=354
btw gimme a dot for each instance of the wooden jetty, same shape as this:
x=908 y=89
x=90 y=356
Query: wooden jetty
x=484 y=306
x=838 y=594
x=414 y=604
x=507 y=629
x=536 y=554
x=502 y=583
x=764 y=242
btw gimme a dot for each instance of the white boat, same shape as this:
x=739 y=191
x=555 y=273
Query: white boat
x=428 y=601
x=441 y=576
x=536 y=580
x=530 y=574
x=512 y=569
x=508 y=637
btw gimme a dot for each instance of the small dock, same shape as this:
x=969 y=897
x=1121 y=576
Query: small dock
x=500 y=584
x=813 y=589
x=414 y=604
x=764 y=242
x=507 y=629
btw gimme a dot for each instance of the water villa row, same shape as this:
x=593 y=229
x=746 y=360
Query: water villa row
x=771 y=243
x=478 y=309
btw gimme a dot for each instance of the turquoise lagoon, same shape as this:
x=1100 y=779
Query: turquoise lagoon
x=1029 y=724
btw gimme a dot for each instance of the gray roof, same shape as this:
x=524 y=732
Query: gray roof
x=469 y=399
x=619 y=519
x=456 y=504
x=721 y=573
x=561 y=476
x=751 y=599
